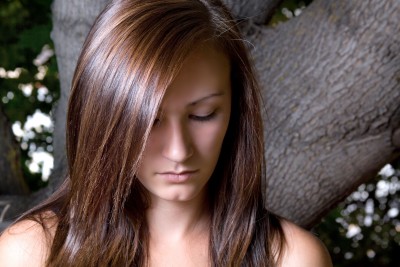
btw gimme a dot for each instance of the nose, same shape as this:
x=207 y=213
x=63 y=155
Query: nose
x=177 y=146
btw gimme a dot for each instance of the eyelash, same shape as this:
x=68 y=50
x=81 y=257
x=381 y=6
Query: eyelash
x=196 y=118
x=203 y=118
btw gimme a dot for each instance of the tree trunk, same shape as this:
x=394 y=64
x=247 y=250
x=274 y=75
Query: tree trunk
x=11 y=178
x=331 y=93
x=72 y=20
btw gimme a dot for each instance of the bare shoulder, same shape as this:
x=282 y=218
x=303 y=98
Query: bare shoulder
x=302 y=248
x=26 y=243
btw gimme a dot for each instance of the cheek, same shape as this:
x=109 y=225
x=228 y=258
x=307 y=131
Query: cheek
x=147 y=159
x=153 y=146
x=209 y=139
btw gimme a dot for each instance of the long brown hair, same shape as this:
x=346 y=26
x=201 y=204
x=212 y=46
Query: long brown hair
x=133 y=52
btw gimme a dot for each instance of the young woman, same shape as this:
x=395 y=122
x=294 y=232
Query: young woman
x=165 y=152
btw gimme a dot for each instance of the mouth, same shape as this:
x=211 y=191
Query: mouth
x=178 y=177
x=178 y=173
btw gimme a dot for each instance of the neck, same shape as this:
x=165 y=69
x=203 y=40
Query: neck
x=177 y=220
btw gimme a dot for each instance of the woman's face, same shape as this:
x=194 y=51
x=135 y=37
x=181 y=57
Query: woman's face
x=186 y=139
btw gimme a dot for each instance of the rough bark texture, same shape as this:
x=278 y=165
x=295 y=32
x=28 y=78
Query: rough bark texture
x=72 y=20
x=11 y=178
x=254 y=10
x=331 y=81
x=331 y=87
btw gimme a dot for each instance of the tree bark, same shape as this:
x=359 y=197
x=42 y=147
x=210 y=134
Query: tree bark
x=257 y=11
x=72 y=20
x=11 y=178
x=330 y=81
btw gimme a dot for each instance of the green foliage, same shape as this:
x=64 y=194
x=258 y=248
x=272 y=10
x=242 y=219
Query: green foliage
x=287 y=10
x=365 y=229
x=355 y=234
x=28 y=76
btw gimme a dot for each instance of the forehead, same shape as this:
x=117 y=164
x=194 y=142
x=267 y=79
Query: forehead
x=205 y=71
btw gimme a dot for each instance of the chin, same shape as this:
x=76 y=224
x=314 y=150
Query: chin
x=178 y=195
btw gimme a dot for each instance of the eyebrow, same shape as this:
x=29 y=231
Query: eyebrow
x=205 y=98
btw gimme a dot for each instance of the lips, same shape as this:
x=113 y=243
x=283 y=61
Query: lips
x=179 y=173
x=178 y=177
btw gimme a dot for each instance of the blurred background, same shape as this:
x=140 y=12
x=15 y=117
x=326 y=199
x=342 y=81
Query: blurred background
x=364 y=230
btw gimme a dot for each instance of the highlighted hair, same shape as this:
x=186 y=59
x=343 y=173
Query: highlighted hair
x=131 y=55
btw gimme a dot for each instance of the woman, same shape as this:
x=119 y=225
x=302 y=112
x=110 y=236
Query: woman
x=165 y=152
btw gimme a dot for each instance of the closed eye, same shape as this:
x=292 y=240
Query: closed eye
x=203 y=118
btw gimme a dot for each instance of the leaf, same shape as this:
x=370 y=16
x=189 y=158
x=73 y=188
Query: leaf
x=35 y=38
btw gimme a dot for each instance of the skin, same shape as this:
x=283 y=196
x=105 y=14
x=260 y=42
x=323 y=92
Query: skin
x=181 y=139
x=187 y=136
x=189 y=130
x=26 y=244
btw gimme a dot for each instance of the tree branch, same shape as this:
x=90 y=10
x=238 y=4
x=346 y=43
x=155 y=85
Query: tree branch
x=259 y=11
x=331 y=90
